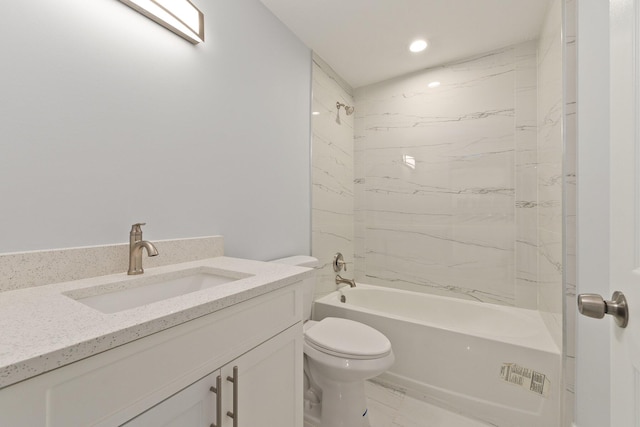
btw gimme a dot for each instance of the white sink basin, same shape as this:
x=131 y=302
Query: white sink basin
x=124 y=295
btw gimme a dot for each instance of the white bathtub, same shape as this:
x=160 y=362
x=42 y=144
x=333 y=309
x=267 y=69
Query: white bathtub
x=454 y=352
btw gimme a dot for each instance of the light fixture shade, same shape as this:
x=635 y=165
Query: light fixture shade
x=179 y=16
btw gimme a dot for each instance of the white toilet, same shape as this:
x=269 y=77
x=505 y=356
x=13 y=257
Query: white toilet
x=339 y=355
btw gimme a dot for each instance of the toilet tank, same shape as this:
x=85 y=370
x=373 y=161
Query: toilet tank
x=308 y=285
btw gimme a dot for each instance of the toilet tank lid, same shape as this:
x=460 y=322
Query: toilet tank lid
x=299 y=260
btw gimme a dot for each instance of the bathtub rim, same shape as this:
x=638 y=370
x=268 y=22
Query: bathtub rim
x=542 y=340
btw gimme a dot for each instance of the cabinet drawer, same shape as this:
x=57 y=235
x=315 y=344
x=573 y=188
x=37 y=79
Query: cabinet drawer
x=113 y=387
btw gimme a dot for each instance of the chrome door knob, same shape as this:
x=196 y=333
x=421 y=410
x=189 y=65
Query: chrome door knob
x=593 y=305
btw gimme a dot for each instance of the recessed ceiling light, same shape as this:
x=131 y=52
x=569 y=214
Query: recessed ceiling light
x=316 y=113
x=418 y=46
x=433 y=84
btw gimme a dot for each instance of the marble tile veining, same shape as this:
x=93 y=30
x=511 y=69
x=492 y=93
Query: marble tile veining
x=439 y=172
x=459 y=190
x=550 y=170
x=333 y=213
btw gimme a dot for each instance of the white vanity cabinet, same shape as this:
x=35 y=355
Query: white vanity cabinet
x=165 y=379
x=267 y=389
x=256 y=389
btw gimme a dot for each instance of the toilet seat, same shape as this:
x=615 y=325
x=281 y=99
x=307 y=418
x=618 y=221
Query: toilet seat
x=346 y=339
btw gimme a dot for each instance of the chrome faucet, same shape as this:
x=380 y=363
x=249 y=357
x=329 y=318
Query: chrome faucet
x=340 y=280
x=135 y=249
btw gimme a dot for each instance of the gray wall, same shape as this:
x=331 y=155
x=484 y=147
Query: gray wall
x=107 y=119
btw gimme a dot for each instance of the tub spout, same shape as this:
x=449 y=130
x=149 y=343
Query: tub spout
x=340 y=280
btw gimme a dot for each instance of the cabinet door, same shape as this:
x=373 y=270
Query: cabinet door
x=267 y=384
x=194 y=406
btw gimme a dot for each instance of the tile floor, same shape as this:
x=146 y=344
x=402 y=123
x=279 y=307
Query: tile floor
x=392 y=408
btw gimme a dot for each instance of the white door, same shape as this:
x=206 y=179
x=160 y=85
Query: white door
x=621 y=223
x=625 y=208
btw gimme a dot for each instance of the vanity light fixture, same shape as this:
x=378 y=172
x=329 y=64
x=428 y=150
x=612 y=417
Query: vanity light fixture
x=179 y=16
x=418 y=46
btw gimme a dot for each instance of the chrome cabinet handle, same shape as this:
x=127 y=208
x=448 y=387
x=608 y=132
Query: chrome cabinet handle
x=234 y=415
x=593 y=305
x=218 y=391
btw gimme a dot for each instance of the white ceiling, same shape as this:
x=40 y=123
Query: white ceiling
x=366 y=41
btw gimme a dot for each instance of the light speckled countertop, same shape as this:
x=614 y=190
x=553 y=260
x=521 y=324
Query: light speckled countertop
x=41 y=328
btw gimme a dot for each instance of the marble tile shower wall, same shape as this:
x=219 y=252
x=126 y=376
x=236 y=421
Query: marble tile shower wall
x=332 y=207
x=436 y=171
x=526 y=190
x=550 y=156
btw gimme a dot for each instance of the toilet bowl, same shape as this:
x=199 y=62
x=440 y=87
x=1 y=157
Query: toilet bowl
x=339 y=355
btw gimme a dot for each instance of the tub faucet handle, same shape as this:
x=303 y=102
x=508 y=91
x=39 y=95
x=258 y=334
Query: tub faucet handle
x=339 y=262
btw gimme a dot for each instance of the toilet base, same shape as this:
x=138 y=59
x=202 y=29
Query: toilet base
x=342 y=405
x=335 y=382
x=312 y=413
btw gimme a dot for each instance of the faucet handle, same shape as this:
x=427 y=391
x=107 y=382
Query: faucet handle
x=135 y=228
x=339 y=262
x=136 y=231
